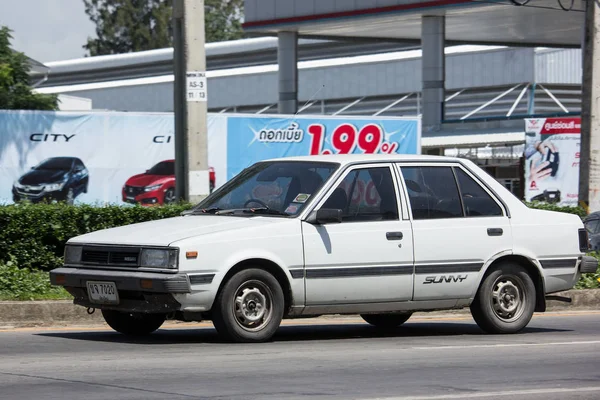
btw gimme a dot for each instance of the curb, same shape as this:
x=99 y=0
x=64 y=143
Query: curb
x=56 y=313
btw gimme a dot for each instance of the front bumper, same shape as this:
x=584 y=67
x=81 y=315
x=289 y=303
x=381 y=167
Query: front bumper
x=138 y=291
x=36 y=197
x=147 y=198
x=588 y=265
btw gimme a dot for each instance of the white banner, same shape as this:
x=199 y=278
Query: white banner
x=94 y=157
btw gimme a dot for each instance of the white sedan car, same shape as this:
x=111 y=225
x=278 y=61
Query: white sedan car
x=377 y=235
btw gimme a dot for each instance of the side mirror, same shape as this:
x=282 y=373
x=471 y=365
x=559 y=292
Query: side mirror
x=325 y=216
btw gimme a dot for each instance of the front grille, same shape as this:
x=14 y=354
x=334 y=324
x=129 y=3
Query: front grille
x=30 y=190
x=124 y=257
x=111 y=256
x=95 y=256
x=133 y=190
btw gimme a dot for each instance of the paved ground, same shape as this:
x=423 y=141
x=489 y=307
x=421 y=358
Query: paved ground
x=557 y=357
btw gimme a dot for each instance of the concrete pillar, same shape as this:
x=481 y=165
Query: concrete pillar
x=287 y=58
x=433 y=33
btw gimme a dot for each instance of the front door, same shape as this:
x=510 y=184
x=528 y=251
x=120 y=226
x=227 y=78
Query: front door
x=368 y=257
x=458 y=226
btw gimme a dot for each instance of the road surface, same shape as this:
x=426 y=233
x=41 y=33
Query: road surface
x=434 y=358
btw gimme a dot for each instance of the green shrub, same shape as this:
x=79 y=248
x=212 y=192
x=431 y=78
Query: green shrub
x=34 y=235
x=24 y=284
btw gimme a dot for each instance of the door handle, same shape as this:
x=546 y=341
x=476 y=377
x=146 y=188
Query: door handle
x=394 y=235
x=495 y=231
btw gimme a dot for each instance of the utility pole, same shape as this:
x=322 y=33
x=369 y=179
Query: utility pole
x=589 y=166
x=190 y=101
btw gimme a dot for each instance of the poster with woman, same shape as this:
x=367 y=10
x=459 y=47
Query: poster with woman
x=552 y=148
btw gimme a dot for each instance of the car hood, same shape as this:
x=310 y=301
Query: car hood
x=164 y=232
x=41 y=176
x=147 y=179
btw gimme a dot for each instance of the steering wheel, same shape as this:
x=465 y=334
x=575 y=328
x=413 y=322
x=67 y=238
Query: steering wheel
x=253 y=200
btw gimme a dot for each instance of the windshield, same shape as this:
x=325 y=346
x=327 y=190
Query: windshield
x=282 y=188
x=59 y=163
x=163 y=168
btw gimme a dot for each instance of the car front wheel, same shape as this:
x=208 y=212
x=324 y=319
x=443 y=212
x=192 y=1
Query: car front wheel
x=505 y=301
x=250 y=307
x=133 y=324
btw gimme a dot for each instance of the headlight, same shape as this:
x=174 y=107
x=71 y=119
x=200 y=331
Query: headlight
x=73 y=254
x=151 y=188
x=54 y=187
x=159 y=258
x=17 y=184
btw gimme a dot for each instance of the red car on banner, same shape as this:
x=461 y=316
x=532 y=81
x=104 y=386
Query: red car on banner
x=156 y=186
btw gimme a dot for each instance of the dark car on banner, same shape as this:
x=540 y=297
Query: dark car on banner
x=156 y=186
x=54 y=179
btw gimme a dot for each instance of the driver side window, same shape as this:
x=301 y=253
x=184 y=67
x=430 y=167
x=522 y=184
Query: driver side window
x=365 y=194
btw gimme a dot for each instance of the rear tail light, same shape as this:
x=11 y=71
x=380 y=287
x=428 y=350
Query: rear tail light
x=584 y=243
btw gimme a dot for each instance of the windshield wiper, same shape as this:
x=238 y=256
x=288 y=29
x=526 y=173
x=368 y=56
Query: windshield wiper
x=265 y=210
x=211 y=210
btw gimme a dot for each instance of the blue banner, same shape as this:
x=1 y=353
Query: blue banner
x=252 y=139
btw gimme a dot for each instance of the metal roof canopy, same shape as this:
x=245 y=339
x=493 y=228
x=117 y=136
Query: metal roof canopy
x=539 y=23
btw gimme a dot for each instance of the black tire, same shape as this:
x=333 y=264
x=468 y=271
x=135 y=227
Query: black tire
x=386 y=321
x=133 y=324
x=262 y=299
x=169 y=197
x=505 y=300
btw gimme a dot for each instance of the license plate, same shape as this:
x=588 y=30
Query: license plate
x=103 y=292
x=130 y=198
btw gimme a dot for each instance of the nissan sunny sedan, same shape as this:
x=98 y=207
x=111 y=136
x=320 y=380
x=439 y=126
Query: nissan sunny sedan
x=382 y=236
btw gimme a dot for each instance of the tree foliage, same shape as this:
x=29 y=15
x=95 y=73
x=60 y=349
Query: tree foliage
x=124 y=26
x=15 y=90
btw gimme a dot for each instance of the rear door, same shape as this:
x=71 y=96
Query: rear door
x=368 y=257
x=458 y=225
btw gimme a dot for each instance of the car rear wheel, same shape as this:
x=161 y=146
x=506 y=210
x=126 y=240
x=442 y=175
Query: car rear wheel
x=386 y=321
x=505 y=301
x=249 y=308
x=133 y=324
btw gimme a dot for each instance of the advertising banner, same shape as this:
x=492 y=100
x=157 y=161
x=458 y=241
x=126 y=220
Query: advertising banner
x=95 y=157
x=251 y=139
x=122 y=158
x=552 y=160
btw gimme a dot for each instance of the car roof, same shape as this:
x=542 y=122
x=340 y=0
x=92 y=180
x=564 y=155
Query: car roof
x=365 y=158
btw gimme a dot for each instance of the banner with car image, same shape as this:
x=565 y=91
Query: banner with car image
x=94 y=157
x=552 y=160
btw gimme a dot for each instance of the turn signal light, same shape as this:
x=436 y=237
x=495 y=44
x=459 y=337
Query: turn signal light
x=146 y=284
x=191 y=254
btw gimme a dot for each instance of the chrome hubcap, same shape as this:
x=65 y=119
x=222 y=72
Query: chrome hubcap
x=508 y=298
x=252 y=306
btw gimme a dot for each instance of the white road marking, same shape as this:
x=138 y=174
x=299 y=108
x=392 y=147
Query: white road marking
x=524 y=392
x=483 y=346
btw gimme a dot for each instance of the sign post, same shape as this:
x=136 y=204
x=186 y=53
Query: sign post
x=191 y=158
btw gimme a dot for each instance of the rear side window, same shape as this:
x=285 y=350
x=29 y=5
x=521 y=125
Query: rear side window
x=433 y=192
x=366 y=194
x=477 y=202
